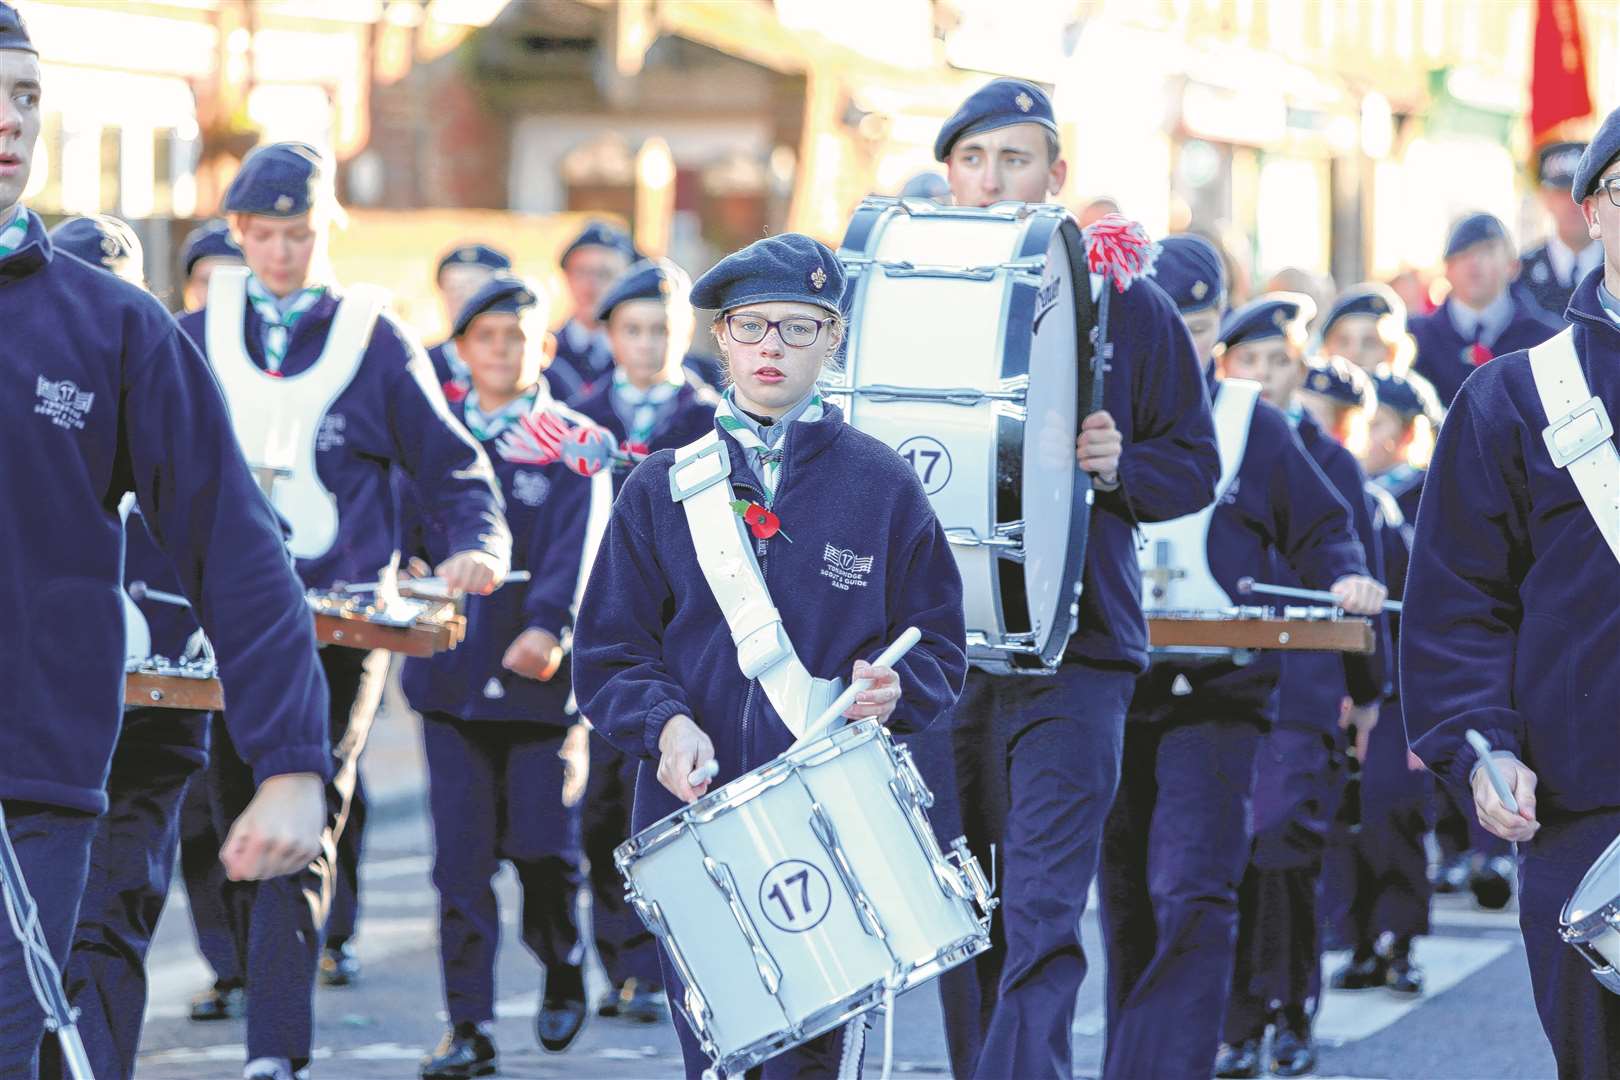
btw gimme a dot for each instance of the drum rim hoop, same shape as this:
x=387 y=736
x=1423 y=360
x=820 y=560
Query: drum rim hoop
x=1604 y=916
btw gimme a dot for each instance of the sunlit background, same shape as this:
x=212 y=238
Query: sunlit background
x=1339 y=137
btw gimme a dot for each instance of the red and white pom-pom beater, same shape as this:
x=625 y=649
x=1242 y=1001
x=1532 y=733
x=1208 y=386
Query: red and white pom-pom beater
x=1119 y=249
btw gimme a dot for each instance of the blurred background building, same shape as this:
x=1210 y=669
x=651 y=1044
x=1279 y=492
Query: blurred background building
x=1338 y=136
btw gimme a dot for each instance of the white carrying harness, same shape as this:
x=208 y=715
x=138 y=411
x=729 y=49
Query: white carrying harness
x=1182 y=544
x=700 y=480
x=277 y=420
x=1579 y=433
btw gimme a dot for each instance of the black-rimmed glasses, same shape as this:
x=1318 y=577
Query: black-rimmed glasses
x=797 y=332
x=1611 y=184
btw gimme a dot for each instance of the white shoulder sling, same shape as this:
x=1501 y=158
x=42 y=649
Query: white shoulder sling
x=1579 y=433
x=700 y=480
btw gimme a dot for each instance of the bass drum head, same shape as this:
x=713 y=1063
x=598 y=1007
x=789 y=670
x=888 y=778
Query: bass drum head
x=1049 y=440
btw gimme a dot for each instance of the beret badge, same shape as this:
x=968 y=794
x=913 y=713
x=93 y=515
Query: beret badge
x=1024 y=102
x=818 y=278
x=109 y=246
x=1200 y=289
x=1280 y=317
x=284 y=203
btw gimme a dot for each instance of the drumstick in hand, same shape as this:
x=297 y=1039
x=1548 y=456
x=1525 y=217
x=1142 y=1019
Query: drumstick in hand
x=703 y=773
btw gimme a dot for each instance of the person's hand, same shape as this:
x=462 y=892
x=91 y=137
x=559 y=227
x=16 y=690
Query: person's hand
x=683 y=747
x=1364 y=718
x=1098 y=447
x=1359 y=594
x=1414 y=763
x=280 y=831
x=880 y=698
x=576 y=758
x=535 y=654
x=414 y=568
x=476 y=572
x=1494 y=814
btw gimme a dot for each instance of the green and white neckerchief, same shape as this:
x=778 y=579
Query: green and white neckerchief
x=641 y=409
x=14 y=232
x=492 y=425
x=279 y=317
x=453 y=360
x=763 y=446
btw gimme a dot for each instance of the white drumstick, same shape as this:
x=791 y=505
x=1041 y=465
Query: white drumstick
x=1498 y=781
x=887 y=658
x=703 y=773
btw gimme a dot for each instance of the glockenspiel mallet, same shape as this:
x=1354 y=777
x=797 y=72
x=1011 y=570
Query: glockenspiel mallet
x=1248 y=585
x=139 y=591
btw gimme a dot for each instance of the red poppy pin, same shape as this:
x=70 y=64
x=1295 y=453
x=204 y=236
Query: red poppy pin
x=1479 y=354
x=760 y=521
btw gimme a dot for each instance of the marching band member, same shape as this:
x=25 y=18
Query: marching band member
x=591 y=263
x=206 y=247
x=462 y=271
x=1042 y=754
x=1178 y=837
x=1482 y=317
x=654 y=662
x=105 y=241
x=494 y=709
x=649 y=405
x=1277 y=979
x=1549 y=272
x=113 y=398
x=1366 y=325
x=1387 y=878
x=1343 y=401
x=366 y=402
x=1512 y=620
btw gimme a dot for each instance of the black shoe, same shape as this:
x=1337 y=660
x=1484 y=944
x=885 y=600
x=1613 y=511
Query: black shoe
x=464 y=1051
x=1492 y=883
x=222 y=1001
x=562 y=1009
x=646 y=1006
x=1404 y=977
x=1452 y=875
x=608 y=1004
x=1241 y=1061
x=1292 y=1053
x=339 y=966
x=1365 y=971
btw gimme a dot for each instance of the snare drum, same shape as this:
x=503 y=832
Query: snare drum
x=801 y=894
x=1591 y=920
x=964 y=355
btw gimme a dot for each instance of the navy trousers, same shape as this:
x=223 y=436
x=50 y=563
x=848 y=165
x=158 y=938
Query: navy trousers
x=1279 y=949
x=284 y=919
x=340 y=921
x=132 y=860
x=53 y=850
x=1580 y=1017
x=1037 y=764
x=209 y=893
x=1174 y=851
x=625 y=946
x=495 y=792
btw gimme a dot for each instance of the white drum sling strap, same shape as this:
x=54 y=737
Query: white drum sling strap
x=1579 y=433
x=278 y=420
x=700 y=480
x=1175 y=556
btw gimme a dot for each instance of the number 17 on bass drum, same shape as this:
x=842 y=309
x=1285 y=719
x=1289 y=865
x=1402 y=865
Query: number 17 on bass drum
x=964 y=354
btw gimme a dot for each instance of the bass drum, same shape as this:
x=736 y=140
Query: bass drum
x=964 y=353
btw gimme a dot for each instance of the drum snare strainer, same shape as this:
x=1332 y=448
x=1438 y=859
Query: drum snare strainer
x=1591 y=919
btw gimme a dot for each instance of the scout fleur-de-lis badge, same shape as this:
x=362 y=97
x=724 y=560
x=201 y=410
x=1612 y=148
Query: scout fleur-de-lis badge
x=818 y=278
x=1024 y=102
x=1280 y=317
x=283 y=203
x=1199 y=289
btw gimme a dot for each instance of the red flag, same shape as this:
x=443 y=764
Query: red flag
x=1558 y=90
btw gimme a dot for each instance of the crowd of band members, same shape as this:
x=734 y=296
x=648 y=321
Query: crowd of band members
x=1207 y=798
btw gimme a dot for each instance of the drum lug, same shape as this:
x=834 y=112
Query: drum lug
x=916 y=786
x=968 y=864
x=696 y=1008
x=770 y=972
x=821 y=824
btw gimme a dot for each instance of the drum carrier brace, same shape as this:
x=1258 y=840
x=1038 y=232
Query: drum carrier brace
x=700 y=480
x=1579 y=432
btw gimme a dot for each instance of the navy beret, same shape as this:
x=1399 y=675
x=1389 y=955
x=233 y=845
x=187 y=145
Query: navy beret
x=1190 y=269
x=1274 y=315
x=1474 y=229
x=1557 y=161
x=1599 y=153
x=474 y=255
x=1369 y=298
x=600 y=234
x=927 y=185
x=651 y=279
x=502 y=293
x=13 y=31
x=1410 y=395
x=997 y=104
x=1336 y=379
x=790 y=267
x=210 y=240
x=281 y=180
x=102 y=240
